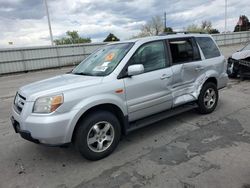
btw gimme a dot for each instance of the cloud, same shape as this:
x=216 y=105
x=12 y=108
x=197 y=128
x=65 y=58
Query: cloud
x=24 y=22
x=22 y=9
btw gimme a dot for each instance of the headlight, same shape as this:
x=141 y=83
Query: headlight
x=48 y=104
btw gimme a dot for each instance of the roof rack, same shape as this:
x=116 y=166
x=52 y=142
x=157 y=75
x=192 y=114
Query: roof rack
x=183 y=32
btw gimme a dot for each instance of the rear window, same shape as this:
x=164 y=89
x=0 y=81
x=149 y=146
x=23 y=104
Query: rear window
x=208 y=47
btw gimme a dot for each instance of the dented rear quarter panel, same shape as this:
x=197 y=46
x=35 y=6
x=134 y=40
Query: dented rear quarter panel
x=187 y=81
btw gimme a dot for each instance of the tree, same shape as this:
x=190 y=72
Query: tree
x=152 y=27
x=243 y=24
x=205 y=27
x=194 y=28
x=214 y=31
x=72 y=37
x=168 y=30
x=111 y=38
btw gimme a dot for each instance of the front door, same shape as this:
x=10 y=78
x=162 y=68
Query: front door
x=149 y=92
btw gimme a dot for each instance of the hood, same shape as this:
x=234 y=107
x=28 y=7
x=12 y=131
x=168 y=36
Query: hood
x=241 y=55
x=57 y=84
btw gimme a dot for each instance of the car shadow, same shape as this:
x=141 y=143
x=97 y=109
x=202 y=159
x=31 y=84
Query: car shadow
x=151 y=131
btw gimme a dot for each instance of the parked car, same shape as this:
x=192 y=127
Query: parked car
x=119 y=88
x=239 y=63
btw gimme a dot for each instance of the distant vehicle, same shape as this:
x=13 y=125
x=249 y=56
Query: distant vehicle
x=239 y=63
x=119 y=88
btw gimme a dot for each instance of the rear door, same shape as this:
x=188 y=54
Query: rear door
x=149 y=92
x=187 y=68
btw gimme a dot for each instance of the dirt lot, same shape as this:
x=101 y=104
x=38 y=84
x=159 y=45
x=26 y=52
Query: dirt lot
x=188 y=150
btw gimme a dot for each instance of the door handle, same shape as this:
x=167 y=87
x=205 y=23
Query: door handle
x=199 y=68
x=164 y=76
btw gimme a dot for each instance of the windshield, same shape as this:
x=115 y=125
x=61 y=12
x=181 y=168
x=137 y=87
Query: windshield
x=247 y=47
x=103 y=61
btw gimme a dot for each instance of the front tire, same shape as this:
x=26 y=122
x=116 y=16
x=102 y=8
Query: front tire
x=98 y=135
x=208 y=98
x=232 y=69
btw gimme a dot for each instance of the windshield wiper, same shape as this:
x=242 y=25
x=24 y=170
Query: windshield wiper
x=82 y=73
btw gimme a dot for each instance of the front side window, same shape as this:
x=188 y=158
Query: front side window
x=151 y=55
x=208 y=47
x=183 y=50
x=103 y=61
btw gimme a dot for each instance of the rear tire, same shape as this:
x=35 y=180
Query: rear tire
x=208 y=98
x=98 y=135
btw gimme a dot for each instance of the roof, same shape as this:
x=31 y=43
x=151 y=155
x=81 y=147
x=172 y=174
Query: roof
x=170 y=36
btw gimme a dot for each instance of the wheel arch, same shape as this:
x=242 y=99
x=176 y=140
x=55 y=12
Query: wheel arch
x=211 y=79
x=123 y=119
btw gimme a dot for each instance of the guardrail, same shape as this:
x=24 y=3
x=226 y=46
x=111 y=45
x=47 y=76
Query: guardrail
x=35 y=58
x=232 y=38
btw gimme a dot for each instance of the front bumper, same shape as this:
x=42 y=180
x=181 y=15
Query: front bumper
x=53 y=130
x=24 y=134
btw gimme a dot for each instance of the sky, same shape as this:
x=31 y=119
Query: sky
x=24 y=22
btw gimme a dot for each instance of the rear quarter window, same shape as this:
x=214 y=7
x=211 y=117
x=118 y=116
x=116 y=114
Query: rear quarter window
x=208 y=47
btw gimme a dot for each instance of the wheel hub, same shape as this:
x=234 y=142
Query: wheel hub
x=100 y=136
x=210 y=98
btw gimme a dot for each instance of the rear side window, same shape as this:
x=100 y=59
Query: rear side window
x=208 y=47
x=183 y=50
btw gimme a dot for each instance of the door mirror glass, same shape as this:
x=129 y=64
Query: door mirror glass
x=135 y=69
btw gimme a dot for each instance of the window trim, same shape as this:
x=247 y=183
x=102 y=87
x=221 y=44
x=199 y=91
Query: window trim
x=194 y=45
x=123 y=73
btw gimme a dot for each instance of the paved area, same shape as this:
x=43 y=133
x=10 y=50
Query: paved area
x=185 y=151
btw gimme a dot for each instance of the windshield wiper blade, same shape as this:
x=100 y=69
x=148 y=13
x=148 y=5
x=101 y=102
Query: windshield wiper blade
x=82 y=73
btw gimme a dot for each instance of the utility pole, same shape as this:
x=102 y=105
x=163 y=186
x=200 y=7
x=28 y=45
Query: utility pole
x=165 y=20
x=225 y=16
x=50 y=30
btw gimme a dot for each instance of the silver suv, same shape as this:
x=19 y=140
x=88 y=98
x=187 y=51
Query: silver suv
x=119 y=88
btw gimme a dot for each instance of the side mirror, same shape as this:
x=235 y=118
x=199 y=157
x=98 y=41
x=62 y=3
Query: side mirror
x=135 y=69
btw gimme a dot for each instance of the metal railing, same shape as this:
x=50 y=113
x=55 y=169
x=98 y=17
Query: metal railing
x=232 y=38
x=35 y=58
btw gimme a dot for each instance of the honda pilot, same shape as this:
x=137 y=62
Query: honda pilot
x=121 y=87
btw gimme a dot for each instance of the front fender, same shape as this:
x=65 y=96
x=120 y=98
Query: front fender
x=90 y=102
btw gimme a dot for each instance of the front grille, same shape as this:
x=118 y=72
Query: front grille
x=244 y=63
x=19 y=102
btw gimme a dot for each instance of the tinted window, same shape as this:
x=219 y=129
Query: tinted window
x=151 y=55
x=208 y=47
x=183 y=50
